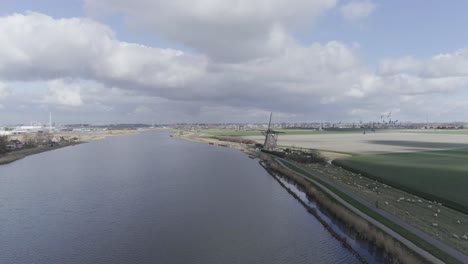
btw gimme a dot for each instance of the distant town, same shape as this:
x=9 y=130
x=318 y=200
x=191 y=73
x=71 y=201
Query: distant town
x=19 y=136
x=37 y=127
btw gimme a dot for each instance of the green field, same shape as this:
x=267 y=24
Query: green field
x=435 y=175
x=245 y=133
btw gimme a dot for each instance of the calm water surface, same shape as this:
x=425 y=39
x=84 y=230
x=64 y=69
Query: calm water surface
x=149 y=198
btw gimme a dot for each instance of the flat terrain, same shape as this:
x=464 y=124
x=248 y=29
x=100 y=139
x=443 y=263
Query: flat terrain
x=420 y=163
x=444 y=131
x=451 y=225
x=257 y=132
x=439 y=175
x=373 y=143
x=430 y=164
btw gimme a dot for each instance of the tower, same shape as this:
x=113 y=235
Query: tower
x=50 y=122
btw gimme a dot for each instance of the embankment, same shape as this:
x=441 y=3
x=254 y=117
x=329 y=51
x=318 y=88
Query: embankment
x=355 y=218
x=365 y=230
x=22 y=153
x=85 y=137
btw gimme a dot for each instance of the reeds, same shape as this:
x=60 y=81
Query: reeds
x=397 y=252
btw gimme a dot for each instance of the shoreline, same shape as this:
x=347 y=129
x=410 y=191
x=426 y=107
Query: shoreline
x=312 y=211
x=265 y=163
x=16 y=155
x=215 y=142
x=369 y=231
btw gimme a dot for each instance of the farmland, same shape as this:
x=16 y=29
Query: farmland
x=444 y=131
x=426 y=167
x=414 y=210
x=250 y=132
x=373 y=143
x=430 y=165
x=437 y=175
x=428 y=170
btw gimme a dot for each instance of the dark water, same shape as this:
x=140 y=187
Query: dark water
x=153 y=199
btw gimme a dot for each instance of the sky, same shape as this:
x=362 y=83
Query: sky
x=211 y=61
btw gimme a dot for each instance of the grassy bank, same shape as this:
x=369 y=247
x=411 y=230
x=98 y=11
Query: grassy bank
x=435 y=175
x=363 y=228
x=390 y=224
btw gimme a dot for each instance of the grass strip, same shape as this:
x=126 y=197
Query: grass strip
x=434 y=175
x=390 y=224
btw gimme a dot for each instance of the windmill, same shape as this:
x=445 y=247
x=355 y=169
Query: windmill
x=271 y=136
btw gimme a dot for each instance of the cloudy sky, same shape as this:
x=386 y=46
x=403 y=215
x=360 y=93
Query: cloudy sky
x=116 y=61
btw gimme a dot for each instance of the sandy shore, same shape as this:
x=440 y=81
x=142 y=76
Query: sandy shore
x=213 y=141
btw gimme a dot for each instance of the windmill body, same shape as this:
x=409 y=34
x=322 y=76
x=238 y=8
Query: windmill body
x=271 y=137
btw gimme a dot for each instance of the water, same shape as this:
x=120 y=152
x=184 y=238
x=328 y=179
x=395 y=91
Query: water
x=366 y=249
x=149 y=198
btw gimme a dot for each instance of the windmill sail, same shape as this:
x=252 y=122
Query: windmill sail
x=271 y=136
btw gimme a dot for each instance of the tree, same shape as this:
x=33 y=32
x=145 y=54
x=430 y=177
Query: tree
x=28 y=140
x=3 y=143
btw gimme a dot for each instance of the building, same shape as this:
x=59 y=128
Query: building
x=28 y=129
x=14 y=144
x=5 y=133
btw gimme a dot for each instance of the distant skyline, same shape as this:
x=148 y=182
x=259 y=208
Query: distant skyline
x=122 y=61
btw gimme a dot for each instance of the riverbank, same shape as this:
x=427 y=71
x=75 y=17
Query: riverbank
x=15 y=155
x=362 y=225
x=215 y=141
x=82 y=137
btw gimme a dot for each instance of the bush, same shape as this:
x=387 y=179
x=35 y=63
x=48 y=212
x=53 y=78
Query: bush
x=3 y=143
x=310 y=156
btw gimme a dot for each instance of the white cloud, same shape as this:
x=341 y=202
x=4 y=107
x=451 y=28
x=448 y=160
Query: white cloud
x=86 y=68
x=90 y=51
x=441 y=65
x=442 y=74
x=357 y=9
x=407 y=65
x=224 y=30
x=4 y=90
x=63 y=93
x=37 y=47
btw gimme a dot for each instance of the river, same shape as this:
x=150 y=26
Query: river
x=149 y=198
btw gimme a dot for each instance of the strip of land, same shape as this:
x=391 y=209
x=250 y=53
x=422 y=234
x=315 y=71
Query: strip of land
x=412 y=237
x=381 y=142
x=384 y=152
x=73 y=138
x=440 y=176
x=22 y=153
